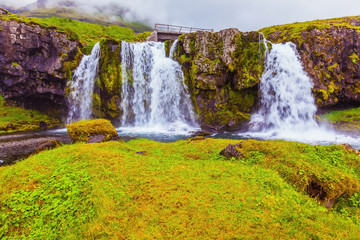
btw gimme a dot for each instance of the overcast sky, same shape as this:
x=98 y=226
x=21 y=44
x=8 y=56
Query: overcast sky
x=246 y=15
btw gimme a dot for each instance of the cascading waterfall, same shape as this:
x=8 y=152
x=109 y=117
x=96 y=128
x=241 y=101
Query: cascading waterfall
x=287 y=109
x=286 y=99
x=81 y=86
x=154 y=94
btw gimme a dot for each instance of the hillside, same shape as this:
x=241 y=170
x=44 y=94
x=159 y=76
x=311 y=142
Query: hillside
x=111 y=14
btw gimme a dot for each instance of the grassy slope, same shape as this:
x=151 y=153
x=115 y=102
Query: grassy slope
x=292 y=32
x=344 y=120
x=87 y=33
x=22 y=119
x=181 y=190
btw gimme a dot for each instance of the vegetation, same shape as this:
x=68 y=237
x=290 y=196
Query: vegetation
x=292 y=32
x=344 y=120
x=81 y=131
x=16 y=119
x=183 y=190
x=88 y=33
x=99 y=19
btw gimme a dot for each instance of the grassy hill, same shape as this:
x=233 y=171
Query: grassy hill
x=87 y=33
x=184 y=190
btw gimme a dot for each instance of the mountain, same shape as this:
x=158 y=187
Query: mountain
x=106 y=15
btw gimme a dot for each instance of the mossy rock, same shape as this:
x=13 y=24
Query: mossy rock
x=82 y=131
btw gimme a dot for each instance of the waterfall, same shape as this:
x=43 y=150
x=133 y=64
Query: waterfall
x=173 y=48
x=287 y=103
x=154 y=94
x=81 y=86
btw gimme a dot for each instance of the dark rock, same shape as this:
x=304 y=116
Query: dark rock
x=9 y=126
x=201 y=133
x=350 y=148
x=141 y=153
x=96 y=138
x=43 y=125
x=51 y=144
x=32 y=68
x=231 y=152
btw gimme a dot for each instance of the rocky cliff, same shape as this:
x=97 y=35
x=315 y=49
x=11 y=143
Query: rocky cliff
x=329 y=50
x=35 y=64
x=222 y=71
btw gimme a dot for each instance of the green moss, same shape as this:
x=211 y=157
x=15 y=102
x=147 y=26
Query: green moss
x=108 y=191
x=344 y=120
x=16 y=119
x=15 y=64
x=354 y=57
x=81 y=131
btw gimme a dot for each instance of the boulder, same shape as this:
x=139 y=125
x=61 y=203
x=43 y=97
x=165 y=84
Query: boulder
x=90 y=131
x=51 y=144
x=231 y=151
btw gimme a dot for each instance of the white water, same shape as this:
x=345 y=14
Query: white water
x=173 y=48
x=287 y=109
x=81 y=86
x=155 y=98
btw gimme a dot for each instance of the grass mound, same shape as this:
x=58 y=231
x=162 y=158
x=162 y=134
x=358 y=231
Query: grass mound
x=344 y=120
x=181 y=190
x=81 y=131
x=16 y=119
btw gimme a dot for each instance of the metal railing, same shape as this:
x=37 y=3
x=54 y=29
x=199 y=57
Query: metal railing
x=178 y=29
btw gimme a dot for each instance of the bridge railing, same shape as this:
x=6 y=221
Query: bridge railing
x=178 y=29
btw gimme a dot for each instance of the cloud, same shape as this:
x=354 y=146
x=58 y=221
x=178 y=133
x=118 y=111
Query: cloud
x=246 y=15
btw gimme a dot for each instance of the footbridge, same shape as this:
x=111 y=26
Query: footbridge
x=165 y=32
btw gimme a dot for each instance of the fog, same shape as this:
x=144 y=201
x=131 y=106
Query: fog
x=246 y=15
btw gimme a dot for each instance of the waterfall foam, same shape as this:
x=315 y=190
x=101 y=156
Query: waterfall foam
x=286 y=99
x=287 y=109
x=81 y=86
x=155 y=97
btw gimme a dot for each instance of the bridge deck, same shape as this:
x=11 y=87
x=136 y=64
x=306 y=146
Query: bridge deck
x=165 y=32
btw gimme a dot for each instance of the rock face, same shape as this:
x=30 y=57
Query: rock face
x=330 y=56
x=35 y=63
x=222 y=71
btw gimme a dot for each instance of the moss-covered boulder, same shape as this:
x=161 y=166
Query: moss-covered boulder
x=222 y=71
x=83 y=131
x=329 y=50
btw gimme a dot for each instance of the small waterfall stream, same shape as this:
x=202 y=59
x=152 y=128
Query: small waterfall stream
x=287 y=103
x=155 y=97
x=81 y=86
x=287 y=109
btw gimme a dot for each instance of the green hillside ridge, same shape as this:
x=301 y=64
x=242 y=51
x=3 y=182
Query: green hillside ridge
x=182 y=190
x=97 y=18
x=292 y=31
x=88 y=33
x=16 y=119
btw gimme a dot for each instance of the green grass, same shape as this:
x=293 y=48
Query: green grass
x=181 y=190
x=22 y=119
x=344 y=120
x=292 y=32
x=88 y=33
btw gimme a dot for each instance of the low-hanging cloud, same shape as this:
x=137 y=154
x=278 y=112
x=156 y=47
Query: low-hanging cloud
x=246 y=15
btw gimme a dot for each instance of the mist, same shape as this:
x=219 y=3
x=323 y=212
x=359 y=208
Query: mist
x=245 y=15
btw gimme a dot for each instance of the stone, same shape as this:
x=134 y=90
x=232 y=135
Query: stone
x=51 y=144
x=32 y=67
x=96 y=138
x=231 y=152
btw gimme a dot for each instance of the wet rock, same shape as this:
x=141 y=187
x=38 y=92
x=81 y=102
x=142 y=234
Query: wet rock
x=51 y=144
x=43 y=125
x=141 y=153
x=96 y=138
x=32 y=61
x=231 y=151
